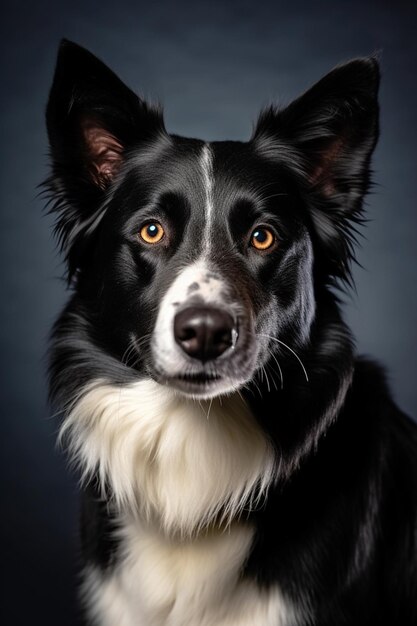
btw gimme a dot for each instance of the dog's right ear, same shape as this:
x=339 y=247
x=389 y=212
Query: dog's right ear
x=93 y=120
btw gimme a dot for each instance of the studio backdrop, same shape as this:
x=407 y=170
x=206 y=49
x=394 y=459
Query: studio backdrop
x=212 y=65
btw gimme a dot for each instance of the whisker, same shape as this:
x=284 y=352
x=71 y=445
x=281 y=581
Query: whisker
x=288 y=348
x=272 y=373
x=263 y=371
x=128 y=353
x=209 y=409
x=257 y=386
x=134 y=346
x=143 y=339
x=279 y=368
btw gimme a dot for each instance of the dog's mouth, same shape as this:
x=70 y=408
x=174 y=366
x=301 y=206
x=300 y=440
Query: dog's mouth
x=200 y=378
x=201 y=384
x=198 y=384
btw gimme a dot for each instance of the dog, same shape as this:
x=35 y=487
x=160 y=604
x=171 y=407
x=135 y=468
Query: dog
x=240 y=464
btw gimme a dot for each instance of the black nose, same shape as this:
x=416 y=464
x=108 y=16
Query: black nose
x=204 y=333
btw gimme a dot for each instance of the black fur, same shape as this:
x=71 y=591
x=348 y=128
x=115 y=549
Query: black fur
x=338 y=531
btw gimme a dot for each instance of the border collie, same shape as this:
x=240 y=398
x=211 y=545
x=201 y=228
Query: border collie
x=241 y=466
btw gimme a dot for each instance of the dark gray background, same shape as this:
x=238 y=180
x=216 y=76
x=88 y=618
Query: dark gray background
x=213 y=65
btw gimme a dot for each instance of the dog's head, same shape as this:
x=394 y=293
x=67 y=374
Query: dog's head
x=195 y=261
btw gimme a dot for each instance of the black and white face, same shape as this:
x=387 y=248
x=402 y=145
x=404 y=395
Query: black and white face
x=203 y=261
x=194 y=261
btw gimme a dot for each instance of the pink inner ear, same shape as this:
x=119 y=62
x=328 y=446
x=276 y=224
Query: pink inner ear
x=104 y=152
x=322 y=176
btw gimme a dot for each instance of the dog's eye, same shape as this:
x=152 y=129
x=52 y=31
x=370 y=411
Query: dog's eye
x=262 y=238
x=152 y=232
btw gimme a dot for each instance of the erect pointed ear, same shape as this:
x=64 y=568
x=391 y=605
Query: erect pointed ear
x=93 y=118
x=328 y=136
x=333 y=127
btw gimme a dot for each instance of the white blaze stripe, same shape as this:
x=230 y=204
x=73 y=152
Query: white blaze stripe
x=207 y=166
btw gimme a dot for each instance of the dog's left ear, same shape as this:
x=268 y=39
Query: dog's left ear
x=333 y=128
x=327 y=136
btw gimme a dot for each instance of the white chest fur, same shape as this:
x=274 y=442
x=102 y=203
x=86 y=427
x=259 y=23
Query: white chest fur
x=176 y=459
x=180 y=466
x=166 y=582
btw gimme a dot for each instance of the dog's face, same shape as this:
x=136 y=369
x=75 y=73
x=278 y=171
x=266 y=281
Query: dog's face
x=195 y=260
x=203 y=258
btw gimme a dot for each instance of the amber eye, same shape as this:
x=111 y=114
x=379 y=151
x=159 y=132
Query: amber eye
x=152 y=232
x=262 y=238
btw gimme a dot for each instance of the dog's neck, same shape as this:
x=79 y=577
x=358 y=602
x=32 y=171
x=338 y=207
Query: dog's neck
x=299 y=413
